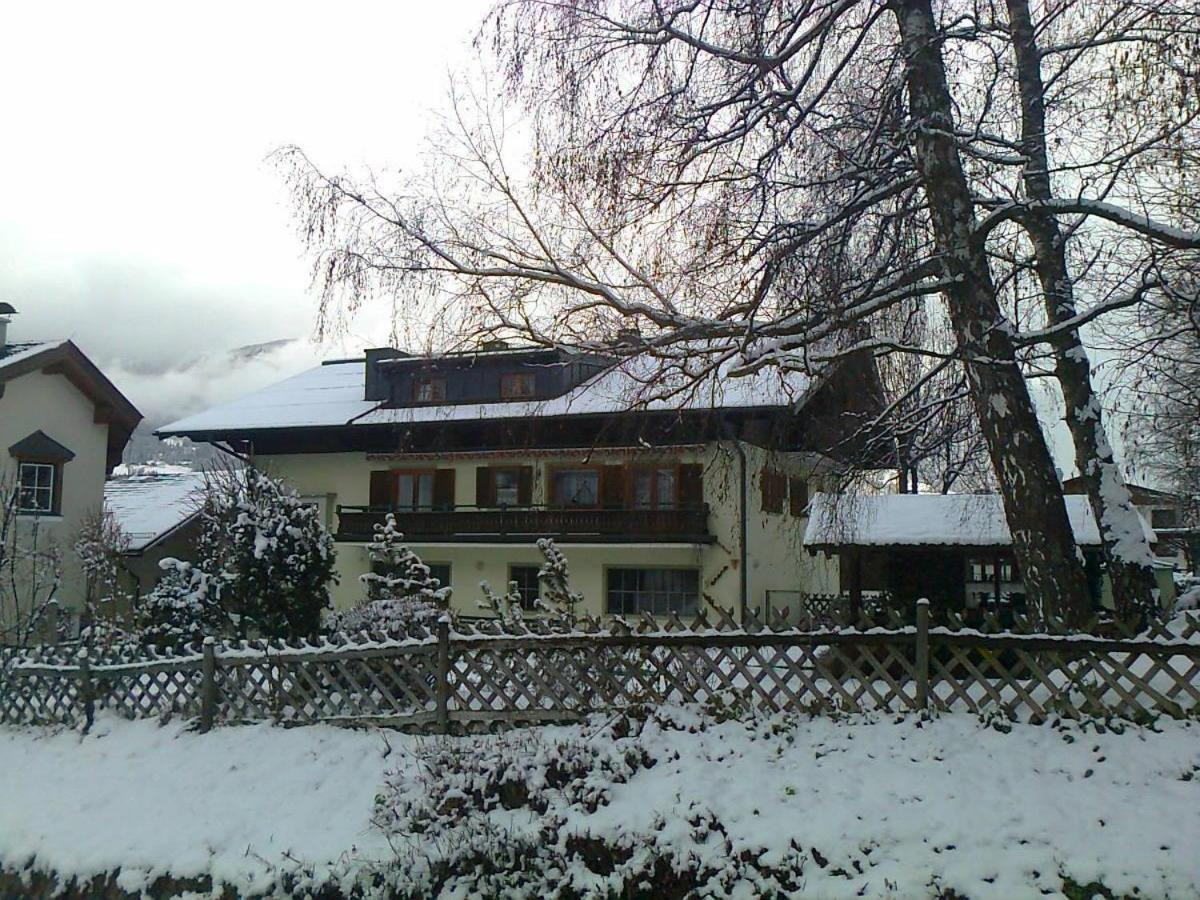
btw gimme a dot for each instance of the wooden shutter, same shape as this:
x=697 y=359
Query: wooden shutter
x=525 y=486
x=443 y=489
x=798 y=495
x=774 y=489
x=484 y=487
x=382 y=491
x=691 y=485
x=612 y=487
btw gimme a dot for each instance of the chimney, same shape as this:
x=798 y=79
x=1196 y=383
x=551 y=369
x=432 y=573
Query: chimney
x=6 y=314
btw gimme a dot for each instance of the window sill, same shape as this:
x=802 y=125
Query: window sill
x=41 y=517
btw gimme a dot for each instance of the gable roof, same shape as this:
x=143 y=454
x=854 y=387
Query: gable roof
x=914 y=520
x=332 y=395
x=112 y=408
x=40 y=445
x=150 y=508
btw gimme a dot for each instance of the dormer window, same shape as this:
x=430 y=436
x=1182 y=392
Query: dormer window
x=429 y=389
x=517 y=386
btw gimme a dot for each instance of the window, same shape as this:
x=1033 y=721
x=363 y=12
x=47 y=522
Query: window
x=654 y=591
x=798 y=495
x=429 y=389
x=507 y=486
x=576 y=487
x=654 y=488
x=528 y=584
x=774 y=490
x=1164 y=518
x=414 y=490
x=517 y=386
x=440 y=571
x=37 y=488
x=984 y=570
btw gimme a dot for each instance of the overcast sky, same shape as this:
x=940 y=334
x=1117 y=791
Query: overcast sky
x=139 y=215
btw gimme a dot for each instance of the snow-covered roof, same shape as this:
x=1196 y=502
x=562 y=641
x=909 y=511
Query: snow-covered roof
x=332 y=395
x=150 y=507
x=889 y=520
x=16 y=352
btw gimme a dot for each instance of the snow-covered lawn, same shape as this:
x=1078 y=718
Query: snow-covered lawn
x=875 y=807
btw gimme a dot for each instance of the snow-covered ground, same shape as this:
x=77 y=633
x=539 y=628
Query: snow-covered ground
x=875 y=807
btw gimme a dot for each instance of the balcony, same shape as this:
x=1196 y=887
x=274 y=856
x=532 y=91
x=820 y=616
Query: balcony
x=525 y=524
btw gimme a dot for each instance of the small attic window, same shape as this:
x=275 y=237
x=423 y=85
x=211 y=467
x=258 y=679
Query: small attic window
x=429 y=389
x=517 y=386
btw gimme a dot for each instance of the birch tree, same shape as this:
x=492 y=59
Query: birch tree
x=727 y=186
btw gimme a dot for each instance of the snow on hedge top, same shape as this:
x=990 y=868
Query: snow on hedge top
x=148 y=507
x=332 y=395
x=968 y=520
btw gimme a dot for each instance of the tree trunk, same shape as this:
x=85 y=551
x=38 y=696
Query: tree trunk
x=1127 y=554
x=1043 y=543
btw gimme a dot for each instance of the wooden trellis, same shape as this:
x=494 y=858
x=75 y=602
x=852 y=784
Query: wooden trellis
x=484 y=673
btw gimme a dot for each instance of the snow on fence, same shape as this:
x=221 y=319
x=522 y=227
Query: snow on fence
x=479 y=675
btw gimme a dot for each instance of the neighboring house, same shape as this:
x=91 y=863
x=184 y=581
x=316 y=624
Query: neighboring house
x=1178 y=538
x=158 y=513
x=63 y=427
x=663 y=499
x=954 y=549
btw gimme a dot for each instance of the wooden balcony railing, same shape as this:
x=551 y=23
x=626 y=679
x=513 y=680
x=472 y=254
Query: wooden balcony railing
x=519 y=524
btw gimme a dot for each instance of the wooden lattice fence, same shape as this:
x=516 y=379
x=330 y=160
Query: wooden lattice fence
x=483 y=674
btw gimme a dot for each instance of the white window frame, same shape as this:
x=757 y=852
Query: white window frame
x=37 y=488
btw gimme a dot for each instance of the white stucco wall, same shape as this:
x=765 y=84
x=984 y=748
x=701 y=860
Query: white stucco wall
x=50 y=403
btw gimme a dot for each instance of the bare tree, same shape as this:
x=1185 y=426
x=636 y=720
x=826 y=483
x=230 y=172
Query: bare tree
x=729 y=186
x=30 y=572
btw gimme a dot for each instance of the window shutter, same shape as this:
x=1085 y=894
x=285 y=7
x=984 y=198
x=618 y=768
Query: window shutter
x=798 y=495
x=525 y=486
x=381 y=488
x=612 y=487
x=691 y=485
x=774 y=488
x=443 y=489
x=484 y=493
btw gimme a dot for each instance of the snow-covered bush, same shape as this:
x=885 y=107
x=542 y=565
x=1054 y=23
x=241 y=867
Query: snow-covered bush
x=558 y=600
x=503 y=815
x=400 y=590
x=183 y=607
x=263 y=568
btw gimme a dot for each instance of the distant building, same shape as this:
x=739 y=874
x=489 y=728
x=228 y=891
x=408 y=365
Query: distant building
x=1178 y=538
x=954 y=549
x=63 y=426
x=666 y=497
x=158 y=513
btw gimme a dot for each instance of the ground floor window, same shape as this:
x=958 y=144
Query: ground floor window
x=528 y=584
x=654 y=591
x=440 y=571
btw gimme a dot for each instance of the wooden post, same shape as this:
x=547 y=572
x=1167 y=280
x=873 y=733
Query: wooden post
x=87 y=695
x=208 y=685
x=443 y=676
x=922 y=665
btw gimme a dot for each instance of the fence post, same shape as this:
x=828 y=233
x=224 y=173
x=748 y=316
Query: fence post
x=922 y=653
x=208 y=684
x=443 y=676
x=87 y=696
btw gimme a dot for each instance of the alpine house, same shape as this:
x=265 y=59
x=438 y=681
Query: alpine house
x=667 y=493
